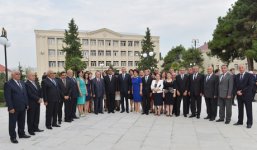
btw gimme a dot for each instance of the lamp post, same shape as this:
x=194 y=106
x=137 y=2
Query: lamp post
x=4 y=41
x=147 y=55
x=195 y=41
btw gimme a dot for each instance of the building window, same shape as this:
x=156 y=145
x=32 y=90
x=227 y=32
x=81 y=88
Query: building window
x=86 y=62
x=123 y=43
x=123 y=63
x=236 y=66
x=52 y=64
x=115 y=53
x=136 y=53
x=100 y=52
x=115 y=43
x=60 y=63
x=60 y=41
x=123 y=53
x=116 y=63
x=100 y=42
x=93 y=42
x=92 y=52
x=100 y=62
x=51 y=41
x=130 y=63
x=136 y=63
x=93 y=63
x=85 y=53
x=51 y=52
x=130 y=53
x=108 y=63
x=130 y=43
x=85 y=42
x=60 y=53
x=108 y=42
x=136 y=43
x=108 y=53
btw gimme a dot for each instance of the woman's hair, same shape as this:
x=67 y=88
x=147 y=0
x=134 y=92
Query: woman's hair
x=135 y=70
x=78 y=72
x=84 y=75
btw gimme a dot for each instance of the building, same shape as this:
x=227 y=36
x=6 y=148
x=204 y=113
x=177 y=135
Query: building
x=100 y=49
x=216 y=63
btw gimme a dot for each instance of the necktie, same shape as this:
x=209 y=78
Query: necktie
x=208 y=77
x=221 y=77
x=64 y=82
x=33 y=82
x=241 y=76
x=123 y=76
x=182 y=76
x=110 y=78
x=146 y=78
x=19 y=83
x=53 y=82
x=194 y=76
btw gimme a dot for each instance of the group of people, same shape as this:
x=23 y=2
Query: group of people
x=139 y=91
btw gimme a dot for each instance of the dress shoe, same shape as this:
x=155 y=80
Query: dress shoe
x=113 y=112
x=14 y=140
x=75 y=117
x=212 y=119
x=101 y=113
x=56 y=125
x=127 y=111
x=49 y=127
x=192 y=116
x=122 y=111
x=32 y=133
x=143 y=113
x=38 y=130
x=227 y=122
x=248 y=126
x=220 y=120
x=236 y=124
x=24 y=136
x=233 y=104
x=59 y=122
x=207 y=117
x=185 y=115
x=198 y=117
x=67 y=121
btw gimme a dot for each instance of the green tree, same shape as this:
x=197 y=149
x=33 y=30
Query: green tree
x=173 y=58
x=73 y=58
x=192 y=56
x=2 y=80
x=147 y=46
x=23 y=76
x=235 y=35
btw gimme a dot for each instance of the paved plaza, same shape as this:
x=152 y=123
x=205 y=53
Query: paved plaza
x=137 y=132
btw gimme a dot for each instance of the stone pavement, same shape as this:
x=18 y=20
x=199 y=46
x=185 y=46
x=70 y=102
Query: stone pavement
x=135 y=131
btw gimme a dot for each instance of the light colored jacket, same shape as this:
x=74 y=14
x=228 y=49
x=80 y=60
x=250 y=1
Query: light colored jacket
x=226 y=85
x=158 y=85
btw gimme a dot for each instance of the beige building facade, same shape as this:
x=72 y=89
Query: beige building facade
x=100 y=49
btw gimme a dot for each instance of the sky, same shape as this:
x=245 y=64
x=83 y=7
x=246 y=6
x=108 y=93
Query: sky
x=175 y=21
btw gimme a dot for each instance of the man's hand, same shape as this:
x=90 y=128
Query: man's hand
x=141 y=93
x=201 y=94
x=12 y=111
x=178 y=93
x=128 y=92
x=188 y=93
x=185 y=93
x=228 y=97
x=46 y=103
x=239 y=93
x=39 y=101
x=66 y=97
x=94 y=95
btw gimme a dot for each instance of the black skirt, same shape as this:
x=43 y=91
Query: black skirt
x=169 y=100
x=158 y=100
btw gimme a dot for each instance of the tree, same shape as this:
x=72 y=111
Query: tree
x=72 y=48
x=174 y=57
x=192 y=56
x=235 y=36
x=147 y=46
x=23 y=77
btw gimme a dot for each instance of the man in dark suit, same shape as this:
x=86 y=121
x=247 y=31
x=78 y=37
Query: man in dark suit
x=196 y=92
x=51 y=96
x=147 y=92
x=65 y=90
x=110 y=83
x=244 y=86
x=74 y=94
x=98 y=92
x=211 y=83
x=124 y=81
x=35 y=99
x=16 y=98
x=182 y=85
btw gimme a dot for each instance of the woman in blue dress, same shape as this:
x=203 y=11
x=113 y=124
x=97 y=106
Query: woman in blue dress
x=137 y=90
x=88 y=95
x=82 y=93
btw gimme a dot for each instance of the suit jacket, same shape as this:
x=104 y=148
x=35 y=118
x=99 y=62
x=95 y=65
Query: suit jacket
x=34 y=93
x=110 y=85
x=182 y=85
x=211 y=86
x=196 y=85
x=146 y=89
x=51 y=92
x=15 y=97
x=246 y=85
x=226 y=85
x=98 y=88
x=124 y=84
x=74 y=87
x=64 y=90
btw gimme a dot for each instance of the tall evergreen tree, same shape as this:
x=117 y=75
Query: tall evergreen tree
x=149 y=62
x=23 y=77
x=72 y=48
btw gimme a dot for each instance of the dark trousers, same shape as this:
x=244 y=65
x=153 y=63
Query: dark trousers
x=196 y=102
x=124 y=96
x=60 y=105
x=98 y=105
x=185 y=105
x=73 y=107
x=174 y=111
x=248 y=107
x=111 y=102
x=51 y=113
x=19 y=118
x=146 y=103
x=67 y=110
x=33 y=115
x=211 y=106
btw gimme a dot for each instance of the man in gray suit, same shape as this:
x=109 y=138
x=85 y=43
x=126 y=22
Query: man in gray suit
x=98 y=92
x=226 y=82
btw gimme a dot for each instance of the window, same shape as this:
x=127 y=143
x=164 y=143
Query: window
x=101 y=62
x=86 y=62
x=100 y=52
x=85 y=42
x=130 y=63
x=108 y=53
x=136 y=43
x=115 y=43
x=60 y=53
x=51 y=52
x=93 y=63
x=130 y=53
x=100 y=42
x=136 y=63
x=51 y=41
x=136 y=53
x=123 y=43
x=85 y=53
x=236 y=66
x=93 y=42
x=123 y=63
x=60 y=41
x=108 y=43
x=123 y=53
x=60 y=63
x=116 y=63
x=115 y=53
x=108 y=63
x=52 y=64
x=92 y=52
x=130 y=43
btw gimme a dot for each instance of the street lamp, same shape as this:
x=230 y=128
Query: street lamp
x=195 y=41
x=147 y=55
x=192 y=64
x=4 y=41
